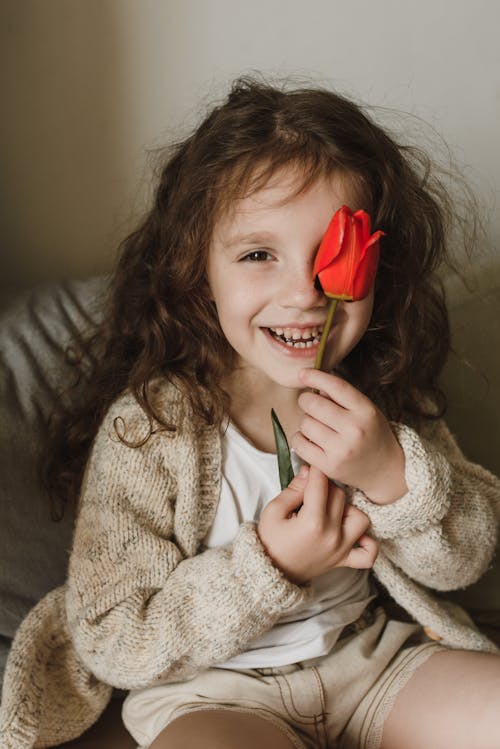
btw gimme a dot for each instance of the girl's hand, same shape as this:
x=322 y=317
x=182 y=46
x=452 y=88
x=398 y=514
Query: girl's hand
x=308 y=529
x=348 y=438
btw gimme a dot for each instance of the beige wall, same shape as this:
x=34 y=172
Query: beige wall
x=67 y=166
x=91 y=85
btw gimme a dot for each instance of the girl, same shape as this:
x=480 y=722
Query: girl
x=233 y=613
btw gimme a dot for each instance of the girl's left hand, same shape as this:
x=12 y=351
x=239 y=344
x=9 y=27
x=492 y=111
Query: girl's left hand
x=348 y=438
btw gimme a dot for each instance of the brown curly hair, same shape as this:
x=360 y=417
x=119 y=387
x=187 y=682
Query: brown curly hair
x=160 y=320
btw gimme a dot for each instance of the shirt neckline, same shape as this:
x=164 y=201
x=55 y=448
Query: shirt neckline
x=234 y=433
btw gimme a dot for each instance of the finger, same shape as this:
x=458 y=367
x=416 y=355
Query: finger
x=336 y=505
x=309 y=452
x=363 y=555
x=325 y=410
x=316 y=493
x=354 y=524
x=322 y=436
x=338 y=389
x=292 y=497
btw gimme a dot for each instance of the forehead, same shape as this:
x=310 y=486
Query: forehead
x=283 y=191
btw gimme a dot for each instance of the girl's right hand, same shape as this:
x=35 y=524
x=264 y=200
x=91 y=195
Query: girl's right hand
x=309 y=529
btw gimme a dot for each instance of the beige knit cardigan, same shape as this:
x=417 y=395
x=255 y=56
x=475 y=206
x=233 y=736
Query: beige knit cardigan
x=145 y=601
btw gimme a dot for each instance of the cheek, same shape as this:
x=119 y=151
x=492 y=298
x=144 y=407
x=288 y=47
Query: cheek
x=365 y=313
x=363 y=316
x=241 y=298
x=357 y=320
x=235 y=312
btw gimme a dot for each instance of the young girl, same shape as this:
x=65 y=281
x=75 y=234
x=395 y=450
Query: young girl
x=233 y=613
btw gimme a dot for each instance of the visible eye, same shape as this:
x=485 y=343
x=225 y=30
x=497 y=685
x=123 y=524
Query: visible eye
x=257 y=256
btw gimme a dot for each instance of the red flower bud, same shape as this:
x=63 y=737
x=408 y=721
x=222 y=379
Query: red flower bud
x=346 y=262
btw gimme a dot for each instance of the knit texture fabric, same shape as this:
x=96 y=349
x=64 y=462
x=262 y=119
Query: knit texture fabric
x=144 y=601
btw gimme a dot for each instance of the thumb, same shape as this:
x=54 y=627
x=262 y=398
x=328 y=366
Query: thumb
x=292 y=497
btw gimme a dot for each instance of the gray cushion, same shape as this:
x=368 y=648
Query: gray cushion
x=34 y=332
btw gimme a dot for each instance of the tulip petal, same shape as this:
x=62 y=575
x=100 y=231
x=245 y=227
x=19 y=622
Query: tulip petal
x=365 y=221
x=374 y=238
x=366 y=271
x=349 y=258
x=332 y=241
x=333 y=283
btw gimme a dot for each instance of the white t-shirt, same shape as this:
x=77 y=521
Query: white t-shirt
x=250 y=480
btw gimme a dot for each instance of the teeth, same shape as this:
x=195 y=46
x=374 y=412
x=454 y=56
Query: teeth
x=298 y=338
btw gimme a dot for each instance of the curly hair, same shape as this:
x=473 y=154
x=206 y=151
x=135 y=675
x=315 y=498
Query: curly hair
x=160 y=320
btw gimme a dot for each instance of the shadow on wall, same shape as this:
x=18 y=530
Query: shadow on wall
x=62 y=145
x=471 y=381
x=472 y=375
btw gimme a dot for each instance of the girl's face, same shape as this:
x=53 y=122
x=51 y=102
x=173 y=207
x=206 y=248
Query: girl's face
x=260 y=275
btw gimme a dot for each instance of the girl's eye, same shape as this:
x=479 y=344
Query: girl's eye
x=257 y=256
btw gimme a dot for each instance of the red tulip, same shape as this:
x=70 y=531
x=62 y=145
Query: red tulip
x=345 y=267
x=346 y=262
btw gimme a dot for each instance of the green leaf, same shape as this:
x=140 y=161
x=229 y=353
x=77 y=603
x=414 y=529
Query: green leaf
x=284 y=460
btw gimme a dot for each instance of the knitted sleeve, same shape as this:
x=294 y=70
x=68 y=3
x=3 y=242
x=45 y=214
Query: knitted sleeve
x=443 y=532
x=142 y=604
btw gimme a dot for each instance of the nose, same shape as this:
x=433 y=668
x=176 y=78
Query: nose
x=297 y=289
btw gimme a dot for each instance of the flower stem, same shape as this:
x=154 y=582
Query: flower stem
x=326 y=330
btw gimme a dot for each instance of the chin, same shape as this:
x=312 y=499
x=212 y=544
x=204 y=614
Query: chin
x=290 y=380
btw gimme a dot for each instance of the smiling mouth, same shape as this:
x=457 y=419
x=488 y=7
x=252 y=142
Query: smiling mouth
x=306 y=338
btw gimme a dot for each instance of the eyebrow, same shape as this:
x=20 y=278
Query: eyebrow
x=262 y=237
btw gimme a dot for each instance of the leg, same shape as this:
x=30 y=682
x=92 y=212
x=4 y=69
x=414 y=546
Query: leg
x=452 y=700
x=221 y=729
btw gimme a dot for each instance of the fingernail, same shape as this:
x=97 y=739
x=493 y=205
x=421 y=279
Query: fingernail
x=303 y=472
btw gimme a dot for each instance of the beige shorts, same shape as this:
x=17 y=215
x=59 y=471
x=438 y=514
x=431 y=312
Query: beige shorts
x=341 y=699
